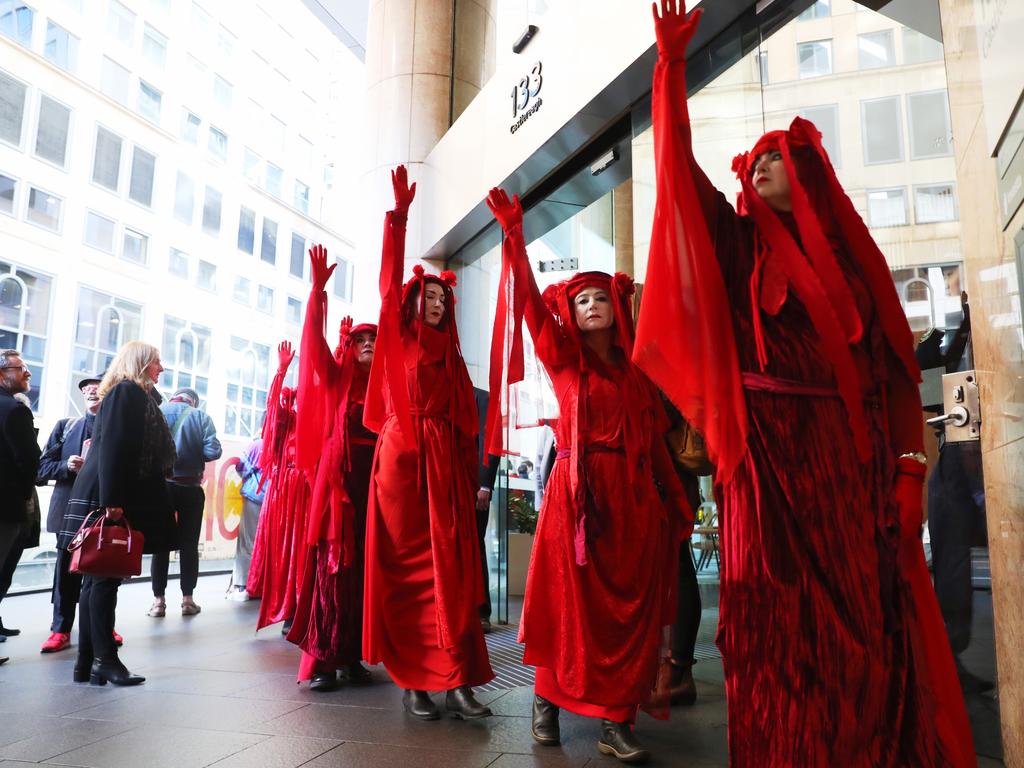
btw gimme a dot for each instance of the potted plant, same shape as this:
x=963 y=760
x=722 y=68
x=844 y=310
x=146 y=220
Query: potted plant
x=522 y=525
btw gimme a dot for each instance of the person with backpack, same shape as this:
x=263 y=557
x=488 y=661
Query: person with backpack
x=195 y=440
x=62 y=458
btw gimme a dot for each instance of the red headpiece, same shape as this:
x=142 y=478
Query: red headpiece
x=620 y=287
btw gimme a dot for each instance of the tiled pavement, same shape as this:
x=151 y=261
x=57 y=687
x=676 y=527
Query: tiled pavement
x=219 y=694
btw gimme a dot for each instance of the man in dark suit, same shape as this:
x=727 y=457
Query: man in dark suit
x=19 y=457
x=63 y=456
x=488 y=472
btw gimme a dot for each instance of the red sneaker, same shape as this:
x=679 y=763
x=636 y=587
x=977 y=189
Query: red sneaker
x=57 y=641
x=118 y=639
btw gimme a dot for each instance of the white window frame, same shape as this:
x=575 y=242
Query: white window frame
x=956 y=202
x=827 y=43
x=914 y=155
x=892 y=49
x=146 y=241
x=26 y=107
x=60 y=217
x=68 y=138
x=899 y=130
x=113 y=236
x=906 y=210
x=16 y=199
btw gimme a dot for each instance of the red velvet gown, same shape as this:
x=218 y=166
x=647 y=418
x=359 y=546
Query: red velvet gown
x=422 y=557
x=279 y=551
x=831 y=641
x=596 y=605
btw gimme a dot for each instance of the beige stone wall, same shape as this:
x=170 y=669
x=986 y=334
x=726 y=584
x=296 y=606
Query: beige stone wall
x=992 y=283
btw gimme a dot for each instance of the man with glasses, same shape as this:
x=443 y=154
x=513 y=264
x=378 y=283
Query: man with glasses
x=19 y=456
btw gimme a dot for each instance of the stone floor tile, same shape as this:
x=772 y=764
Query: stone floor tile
x=278 y=752
x=46 y=737
x=358 y=755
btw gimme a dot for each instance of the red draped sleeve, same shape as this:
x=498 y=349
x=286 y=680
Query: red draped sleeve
x=695 y=364
x=316 y=365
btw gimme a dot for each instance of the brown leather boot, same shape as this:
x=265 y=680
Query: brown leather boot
x=682 y=689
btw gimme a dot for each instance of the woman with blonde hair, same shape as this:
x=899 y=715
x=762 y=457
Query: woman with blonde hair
x=124 y=474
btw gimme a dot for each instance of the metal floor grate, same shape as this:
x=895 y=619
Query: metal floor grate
x=506 y=660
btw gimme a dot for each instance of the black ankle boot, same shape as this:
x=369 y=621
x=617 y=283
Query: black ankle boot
x=462 y=704
x=324 y=681
x=83 y=669
x=682 y=688
x=420 y=705
x=114 y=672
x=357 y=674
x=545 y=722
x=619 y=740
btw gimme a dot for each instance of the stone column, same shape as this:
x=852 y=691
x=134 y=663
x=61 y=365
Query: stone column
x=622 y=200
x=991 y=268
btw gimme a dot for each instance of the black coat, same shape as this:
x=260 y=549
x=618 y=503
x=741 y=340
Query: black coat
x=65 y=441
x=128 y=462
x=19 y=458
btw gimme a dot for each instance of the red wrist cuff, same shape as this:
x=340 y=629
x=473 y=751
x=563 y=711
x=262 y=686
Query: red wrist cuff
x=912 y=467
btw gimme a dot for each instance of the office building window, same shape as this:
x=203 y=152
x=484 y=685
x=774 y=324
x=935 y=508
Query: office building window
x=149 y=101
x=114 y=81
x=177 y=263
x=44 y=209
x=217 y=144
x=197 y=74
x=929 y=125
x=293 y=314
x=919 y=48
x=268 y=243
x=887 y=207
x=120 y=23
x=934 y=203
x=103 y=324
x=52 y=131
x=343 y=280
x=99 y=232
x=815 y=58
x=252 y=167
x=206 y=276
x=24 y=315
x=265 y=299
x=211 y=211
x=225 y=40
x=275 y=180
x=16 y=21
x=185 y=354
x=136 y=247
x=301 y=196
x=243 y=291
x=140 y=188
x=190 y=127
x=106 y=163
x=222 y=91
x=200 y=19
x=826 y=119
x=818 y=10
x=61 y=47
x=154 y=47
x=881 y=130
x=276 y=133
x=184 y=199
x=247 y=230
x=297 y=262
x=12 y=108
x=8 y=188
x=876 y=49
x=248 y=374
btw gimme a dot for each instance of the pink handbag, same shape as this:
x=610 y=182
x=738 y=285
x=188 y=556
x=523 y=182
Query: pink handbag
x=110 y=551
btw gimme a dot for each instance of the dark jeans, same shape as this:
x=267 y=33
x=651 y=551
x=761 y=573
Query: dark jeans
x=481 y=532
x=688 y=607
x=956 y=518
x=188 y=501
x=96 y=608
x=12 y=539
x=67 y=588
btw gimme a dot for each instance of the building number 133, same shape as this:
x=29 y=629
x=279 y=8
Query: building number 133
x=527 y=89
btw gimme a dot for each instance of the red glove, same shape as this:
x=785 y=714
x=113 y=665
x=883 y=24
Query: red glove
x=907 y=490
x=509 y=213
x=285 y=355
x=321 y=273
x=404 y=194
x=673 y=29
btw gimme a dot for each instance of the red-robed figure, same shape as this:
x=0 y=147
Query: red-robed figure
x=599 y=592
x=279 y=551
x=422 y=558
x=777 y=332
x=336 y=452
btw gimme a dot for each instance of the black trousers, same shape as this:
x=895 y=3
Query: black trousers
x=67 y=588
x=188 y=501
x=12 y=541
x=688 y=608
x=96 y=608
x=481 y=532
x=956 y=520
